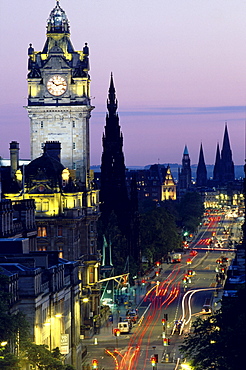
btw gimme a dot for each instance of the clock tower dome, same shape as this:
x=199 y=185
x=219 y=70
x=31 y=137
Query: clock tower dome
x=59 y=104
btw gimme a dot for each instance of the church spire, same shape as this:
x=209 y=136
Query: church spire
x=226 y=153
x=201 y=172
x=227 y=165
x=217 y=165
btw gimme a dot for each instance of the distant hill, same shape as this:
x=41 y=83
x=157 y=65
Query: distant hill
x=239 y=170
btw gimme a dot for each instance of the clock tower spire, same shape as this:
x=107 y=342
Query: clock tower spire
x=59 y=104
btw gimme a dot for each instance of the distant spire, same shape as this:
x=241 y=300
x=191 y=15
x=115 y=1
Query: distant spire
x=227 y=165
x=226 y=149
x=186 y=150
x=201 y=172
x=217 y=165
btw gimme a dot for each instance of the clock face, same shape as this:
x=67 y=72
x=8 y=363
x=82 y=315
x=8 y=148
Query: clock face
x=57 y=85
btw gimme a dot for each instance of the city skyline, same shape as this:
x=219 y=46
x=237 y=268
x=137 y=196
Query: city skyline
x=178 y=70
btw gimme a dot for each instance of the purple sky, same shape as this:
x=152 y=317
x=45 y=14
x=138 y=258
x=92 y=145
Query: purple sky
x=179 y=71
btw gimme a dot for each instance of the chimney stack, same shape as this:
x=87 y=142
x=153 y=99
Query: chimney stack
x=53 y=149
x=14 y=157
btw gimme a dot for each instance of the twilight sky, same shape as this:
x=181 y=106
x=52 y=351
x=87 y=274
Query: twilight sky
x=179 y=71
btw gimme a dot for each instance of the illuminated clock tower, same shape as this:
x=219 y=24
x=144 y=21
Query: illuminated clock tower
x=59 y=104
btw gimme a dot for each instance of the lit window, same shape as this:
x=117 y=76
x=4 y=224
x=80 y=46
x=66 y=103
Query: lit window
x=91 y=274
x=38 y=206
x=42 y=232
x=60 y=252
x=45 y=206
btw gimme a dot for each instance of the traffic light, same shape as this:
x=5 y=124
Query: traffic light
x=153 y=362
x=154 y=359
x=94 y=364
x=117 y=332
x=163 y=321
x=166 y=341
x=165 y=316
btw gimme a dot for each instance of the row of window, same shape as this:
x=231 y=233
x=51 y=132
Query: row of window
x=42 y=124
x=42 y=231
x=44 y=205
x=42 y=146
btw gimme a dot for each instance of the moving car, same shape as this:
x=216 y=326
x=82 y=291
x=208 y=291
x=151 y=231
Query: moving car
x=132 y=315
x=207 y=307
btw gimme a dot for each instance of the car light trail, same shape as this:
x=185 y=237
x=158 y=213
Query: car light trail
x=190 y=293
x=162 y=294
x=114 y=357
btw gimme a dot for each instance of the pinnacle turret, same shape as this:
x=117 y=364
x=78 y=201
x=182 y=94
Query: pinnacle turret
x=57 y=21
x=112 y=103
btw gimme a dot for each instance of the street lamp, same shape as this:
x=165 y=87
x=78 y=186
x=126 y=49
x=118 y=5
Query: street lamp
x=186 y=367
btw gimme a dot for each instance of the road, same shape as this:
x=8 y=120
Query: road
x=166 y=294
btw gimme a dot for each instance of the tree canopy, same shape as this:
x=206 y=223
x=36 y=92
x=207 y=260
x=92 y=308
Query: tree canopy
x=190 y=210
x=158 y=233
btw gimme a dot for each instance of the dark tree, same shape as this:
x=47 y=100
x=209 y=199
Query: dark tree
x=158 y=233
x=191 y=210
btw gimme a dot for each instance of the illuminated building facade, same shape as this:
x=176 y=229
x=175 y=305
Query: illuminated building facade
x=66 y=216
x=47 y=290
x=156 y=183
x=58 y=178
